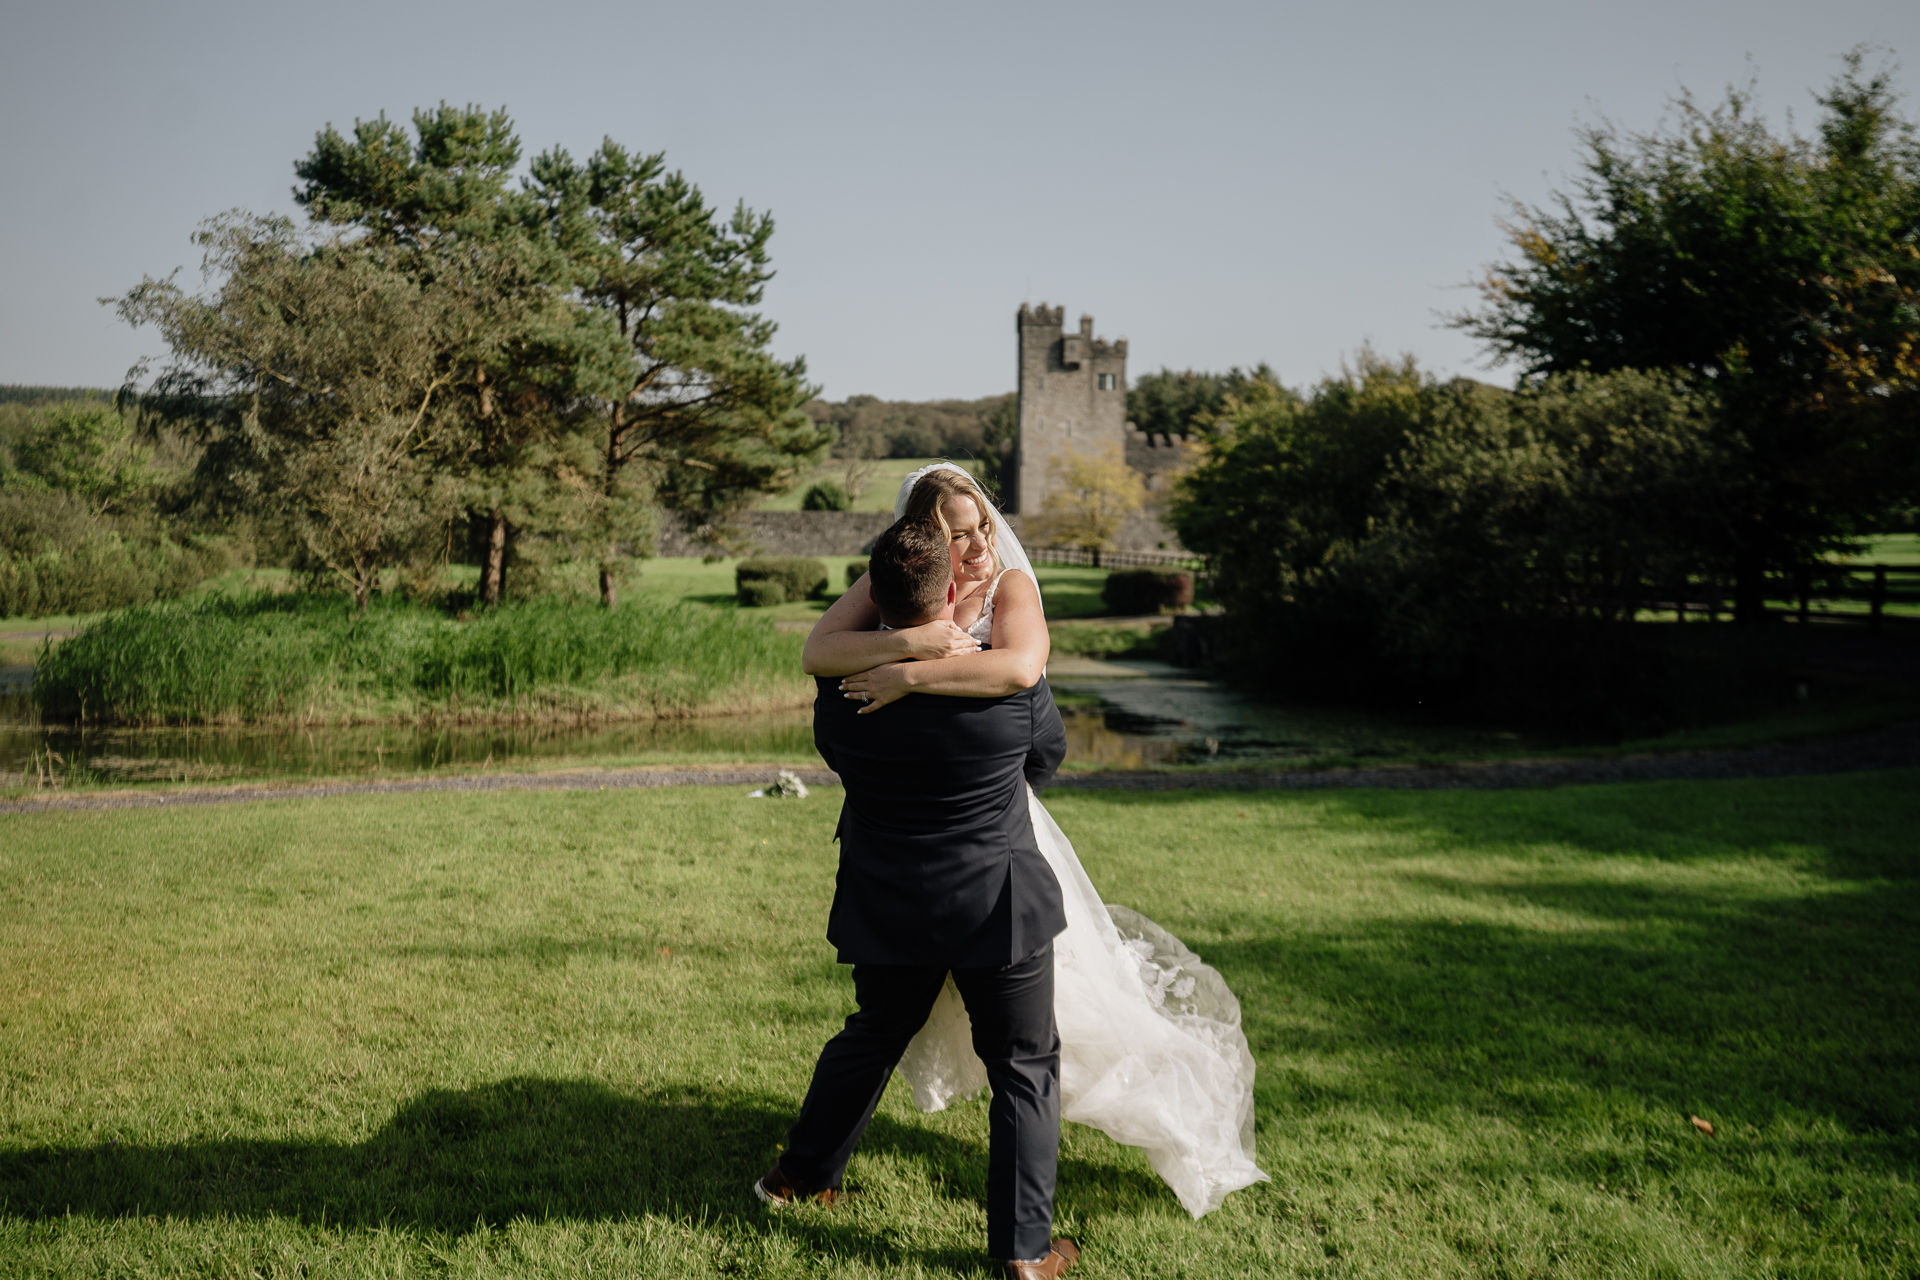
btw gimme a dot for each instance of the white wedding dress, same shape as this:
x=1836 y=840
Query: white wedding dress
x=1151 y=1051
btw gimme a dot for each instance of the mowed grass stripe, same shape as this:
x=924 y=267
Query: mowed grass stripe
x=557 y=1033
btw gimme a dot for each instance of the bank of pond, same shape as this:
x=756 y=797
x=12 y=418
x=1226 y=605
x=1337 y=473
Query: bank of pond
x=298 y=658
x=252 y=681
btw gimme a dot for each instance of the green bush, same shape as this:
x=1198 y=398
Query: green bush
x=267 y=657
x=799 y=577
x=827 y=495
x=856 y=569
x=1403 y=539
x=1137 y=591
x=762 y=593
x=82 y=527
x=106 y=572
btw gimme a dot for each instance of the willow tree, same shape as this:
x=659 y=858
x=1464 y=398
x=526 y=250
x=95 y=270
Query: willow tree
x=703 y=417
x=311 y=377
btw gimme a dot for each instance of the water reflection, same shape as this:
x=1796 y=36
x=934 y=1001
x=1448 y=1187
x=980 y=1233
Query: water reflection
x=1155 y=717
x=1143 y=715
x=217 y=753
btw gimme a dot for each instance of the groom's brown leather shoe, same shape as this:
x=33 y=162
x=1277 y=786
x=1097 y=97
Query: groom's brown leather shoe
x=773 y=1188
x=1060 y=1255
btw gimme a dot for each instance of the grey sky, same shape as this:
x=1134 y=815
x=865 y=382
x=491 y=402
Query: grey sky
x=1221 y=183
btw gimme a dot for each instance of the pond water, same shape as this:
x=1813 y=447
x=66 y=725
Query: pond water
x=1146 y=714
x=1118 y=715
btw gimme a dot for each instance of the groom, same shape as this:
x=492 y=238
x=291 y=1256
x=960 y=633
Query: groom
x=939 y=873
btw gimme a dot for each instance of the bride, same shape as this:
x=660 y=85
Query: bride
x=1151 y=1051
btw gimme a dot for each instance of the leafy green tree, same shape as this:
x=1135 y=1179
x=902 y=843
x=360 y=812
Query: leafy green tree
x=1777 y=271
x=85 y=448
x=1287 y=487
x=314 y=379
x=919 y=428
x=699 y=416
x=1091 y=497
x=584 y=332
x=1391 y=514
x=1000 y=430
x=440 y=207
x=1184 y=404
x=1570 y=503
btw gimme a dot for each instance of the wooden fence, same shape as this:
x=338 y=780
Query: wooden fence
x=1811 y=593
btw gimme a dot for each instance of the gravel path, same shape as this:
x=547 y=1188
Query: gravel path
x=1896 y=748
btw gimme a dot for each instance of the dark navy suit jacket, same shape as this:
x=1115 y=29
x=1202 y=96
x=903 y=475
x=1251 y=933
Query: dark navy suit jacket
x=938 y=864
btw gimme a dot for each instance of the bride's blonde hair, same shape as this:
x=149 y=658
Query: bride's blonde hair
x=935 y=489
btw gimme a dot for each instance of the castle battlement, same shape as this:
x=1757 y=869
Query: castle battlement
x=1042 y=316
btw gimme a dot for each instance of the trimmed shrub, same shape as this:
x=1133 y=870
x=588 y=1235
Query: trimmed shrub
x=762 y=593
x=855 y=569
x=798 y=577
x=827 y=495
x=1138 y=591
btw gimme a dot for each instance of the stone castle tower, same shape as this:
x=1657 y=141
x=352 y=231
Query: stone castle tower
x=1073 y=399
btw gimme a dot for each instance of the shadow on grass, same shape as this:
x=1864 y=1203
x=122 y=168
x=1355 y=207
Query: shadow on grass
x=454 y=1160
x=1617 y=959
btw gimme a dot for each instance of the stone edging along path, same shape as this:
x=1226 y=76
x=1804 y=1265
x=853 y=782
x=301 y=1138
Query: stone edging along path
x=1895 y=748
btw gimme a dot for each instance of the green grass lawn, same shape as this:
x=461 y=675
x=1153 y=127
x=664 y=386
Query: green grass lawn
x=22 y=639
x=556 y=1034
x=1066 y=592
x=882 y=486
x=700 y=582
x=1891 y=548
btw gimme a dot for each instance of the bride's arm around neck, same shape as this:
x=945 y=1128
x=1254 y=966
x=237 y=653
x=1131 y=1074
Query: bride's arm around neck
x=1016 y=661
x=847 y=639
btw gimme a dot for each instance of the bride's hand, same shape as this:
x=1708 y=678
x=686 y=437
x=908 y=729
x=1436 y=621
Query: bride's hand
x=937 y=639
x=878 y=687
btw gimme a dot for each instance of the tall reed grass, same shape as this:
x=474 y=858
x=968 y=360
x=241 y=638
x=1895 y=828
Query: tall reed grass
x=308 y=658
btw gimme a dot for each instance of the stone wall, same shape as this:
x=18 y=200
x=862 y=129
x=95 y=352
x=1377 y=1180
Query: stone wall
x=1158 y=457
x=849 y=533
x=793 y=533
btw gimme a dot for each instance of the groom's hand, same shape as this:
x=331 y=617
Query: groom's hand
x=937 y=639
x=878 y=687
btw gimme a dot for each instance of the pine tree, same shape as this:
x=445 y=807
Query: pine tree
x=703 y=416
x=441 y=207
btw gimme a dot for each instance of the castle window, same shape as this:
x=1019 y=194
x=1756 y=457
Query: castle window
x=1106 y=382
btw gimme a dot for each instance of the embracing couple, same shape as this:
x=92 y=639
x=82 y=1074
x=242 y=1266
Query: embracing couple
x=982 y=955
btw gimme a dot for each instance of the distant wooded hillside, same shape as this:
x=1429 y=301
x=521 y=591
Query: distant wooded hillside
x=12 y=393
x=911 y=428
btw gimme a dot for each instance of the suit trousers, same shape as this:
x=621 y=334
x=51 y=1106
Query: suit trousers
x=1013 y=1032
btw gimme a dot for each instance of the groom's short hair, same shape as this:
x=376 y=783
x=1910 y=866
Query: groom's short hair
x=908 y=571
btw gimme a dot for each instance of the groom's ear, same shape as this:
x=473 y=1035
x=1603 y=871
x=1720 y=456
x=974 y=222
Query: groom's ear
x=953 y=590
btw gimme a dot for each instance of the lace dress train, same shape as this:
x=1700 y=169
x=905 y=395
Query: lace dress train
x=1151 y=1050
